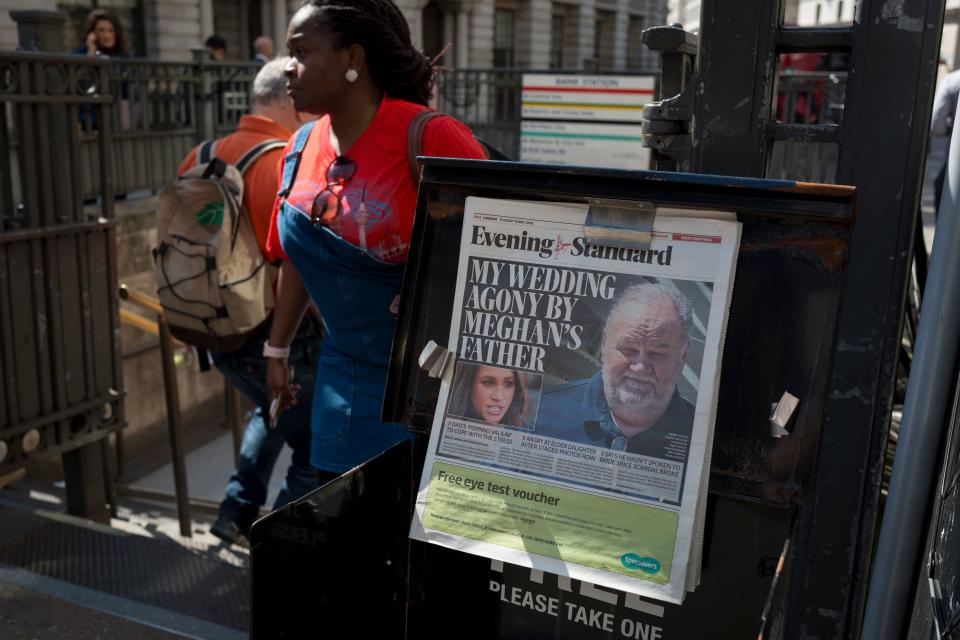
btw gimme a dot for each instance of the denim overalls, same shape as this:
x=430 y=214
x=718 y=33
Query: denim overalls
x=353 y=292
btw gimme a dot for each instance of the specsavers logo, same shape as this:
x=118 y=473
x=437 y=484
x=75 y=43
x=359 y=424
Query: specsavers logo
x=636 y=562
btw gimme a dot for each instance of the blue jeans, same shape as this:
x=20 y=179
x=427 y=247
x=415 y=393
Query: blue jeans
x=246 y=369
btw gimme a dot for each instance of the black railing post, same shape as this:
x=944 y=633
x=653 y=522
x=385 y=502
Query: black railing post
x=175 y=427
x=204 y=97
x=735 y=86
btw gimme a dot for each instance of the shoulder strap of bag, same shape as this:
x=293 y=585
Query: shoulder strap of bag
x=291 y=162
x=205 y=152
x=258 y=150
x=415 y=141
x=206 y=156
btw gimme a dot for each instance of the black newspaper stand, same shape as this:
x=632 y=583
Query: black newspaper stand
x=338 y=560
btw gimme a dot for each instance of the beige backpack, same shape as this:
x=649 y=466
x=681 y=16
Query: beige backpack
x=212 y=281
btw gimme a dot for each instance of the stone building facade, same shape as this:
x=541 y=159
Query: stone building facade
x=533 y=34
x=538 y=34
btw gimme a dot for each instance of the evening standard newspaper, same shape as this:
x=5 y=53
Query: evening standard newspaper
x=573 y=430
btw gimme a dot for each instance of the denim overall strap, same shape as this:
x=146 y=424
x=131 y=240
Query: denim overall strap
x=291 y=162
x=353 y=292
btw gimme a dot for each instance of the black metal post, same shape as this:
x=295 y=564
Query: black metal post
x=924 y=420
x=83 y=476
x=174 y=426
x=203 y=95
x=883 y=139
x=735 y=86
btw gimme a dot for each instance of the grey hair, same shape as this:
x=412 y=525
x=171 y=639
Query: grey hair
x=641 y=293
x=270 y=85
x=262 y=43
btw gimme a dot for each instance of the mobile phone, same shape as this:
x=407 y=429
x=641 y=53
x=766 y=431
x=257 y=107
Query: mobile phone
x=274 y=412
x=275 y=405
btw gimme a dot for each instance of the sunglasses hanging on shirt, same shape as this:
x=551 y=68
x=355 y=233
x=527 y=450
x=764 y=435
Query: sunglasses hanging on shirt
x=327 y=205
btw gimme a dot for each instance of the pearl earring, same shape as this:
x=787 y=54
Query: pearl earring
x=351 y=75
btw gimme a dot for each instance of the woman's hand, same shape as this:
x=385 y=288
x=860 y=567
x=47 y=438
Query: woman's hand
x=278 y=383
x=91 y=43
x=292 y=300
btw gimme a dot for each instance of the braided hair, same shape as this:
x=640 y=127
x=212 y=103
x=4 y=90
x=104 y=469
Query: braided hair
x=378 y=26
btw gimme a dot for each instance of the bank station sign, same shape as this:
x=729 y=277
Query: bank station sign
x=586 y=120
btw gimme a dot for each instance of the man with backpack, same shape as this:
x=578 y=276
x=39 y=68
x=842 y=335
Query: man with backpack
x=224 y=305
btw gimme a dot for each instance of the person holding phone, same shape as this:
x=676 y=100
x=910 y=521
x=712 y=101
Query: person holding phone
x=103 y=35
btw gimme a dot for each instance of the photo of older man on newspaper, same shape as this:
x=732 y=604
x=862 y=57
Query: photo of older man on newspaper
x=632 y=403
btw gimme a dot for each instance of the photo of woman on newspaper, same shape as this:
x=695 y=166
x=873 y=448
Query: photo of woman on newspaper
x=493 y=395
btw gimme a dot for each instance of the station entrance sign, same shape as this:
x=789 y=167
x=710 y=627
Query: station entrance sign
x=586 y=120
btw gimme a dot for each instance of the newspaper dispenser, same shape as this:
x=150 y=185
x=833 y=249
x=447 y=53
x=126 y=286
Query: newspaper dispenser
x=344 y=547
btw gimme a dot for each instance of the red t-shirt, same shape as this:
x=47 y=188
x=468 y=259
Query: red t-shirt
x=377 y=204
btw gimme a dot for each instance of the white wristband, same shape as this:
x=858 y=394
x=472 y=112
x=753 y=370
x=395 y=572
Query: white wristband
x=275 y=352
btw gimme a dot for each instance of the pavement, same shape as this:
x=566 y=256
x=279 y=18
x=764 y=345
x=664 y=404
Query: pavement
x=25 y=614
x=67 y=577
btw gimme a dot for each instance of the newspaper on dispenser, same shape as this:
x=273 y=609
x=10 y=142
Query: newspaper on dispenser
x=573 y=430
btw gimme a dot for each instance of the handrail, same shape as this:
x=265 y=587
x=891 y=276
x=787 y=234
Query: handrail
x=172 y=396
x=140 y=299
x=138 y=321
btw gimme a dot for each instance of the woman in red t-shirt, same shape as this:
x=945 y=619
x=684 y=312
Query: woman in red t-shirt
x=345 y=212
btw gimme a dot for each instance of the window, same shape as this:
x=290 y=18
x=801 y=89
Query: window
x=557 y=33
x=597 y=30
x=635 y=47
x=503 y=38
x=604 y=39
x=432 y=21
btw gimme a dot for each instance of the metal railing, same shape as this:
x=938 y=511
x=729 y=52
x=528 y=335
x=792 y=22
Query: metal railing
x=486 y=100
x=162 y=109
x=59 y=334
x=808 y=97
x=161 y=329
x=154 y=124
x=811 y=97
